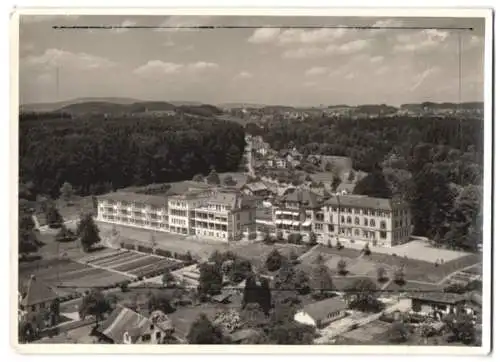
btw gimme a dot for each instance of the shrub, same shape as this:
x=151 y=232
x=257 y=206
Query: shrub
x=294 y=238
x=339 y=245
x=274 y=260
x=329 y=244
x=366 y=250
x=381 y=274
x=399 y=276
x=342 y=267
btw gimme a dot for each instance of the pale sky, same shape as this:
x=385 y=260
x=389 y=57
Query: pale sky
x=279 y=65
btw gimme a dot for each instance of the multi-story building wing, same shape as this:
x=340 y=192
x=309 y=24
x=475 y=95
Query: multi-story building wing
x=297 y=212
x=181 y=211
x=356 y=218
x=225 y=216
x=131 y=209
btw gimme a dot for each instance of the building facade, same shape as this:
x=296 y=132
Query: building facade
x=221 y=215
x=344 y=218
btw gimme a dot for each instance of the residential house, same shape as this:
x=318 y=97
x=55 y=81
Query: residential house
x=125 y=326
x=438 y=304
x=322 y=313
x=258 y=188
x=36 y=299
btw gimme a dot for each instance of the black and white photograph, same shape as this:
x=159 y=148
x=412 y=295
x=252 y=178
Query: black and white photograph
x=253 y=179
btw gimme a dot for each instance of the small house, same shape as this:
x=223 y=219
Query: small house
x=322 y=313
x=37 y=297
x=255 y=189
x=437 y=303
x=125 y=326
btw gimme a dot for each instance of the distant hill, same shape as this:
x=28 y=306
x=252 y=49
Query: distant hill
x=375 y=109
x=53 y=106
x=241 y=105
x=204 y=110
x=116 y=108
x=441 y=106
x=185 y=103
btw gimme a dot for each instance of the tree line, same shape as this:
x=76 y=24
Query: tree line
x=96 y=155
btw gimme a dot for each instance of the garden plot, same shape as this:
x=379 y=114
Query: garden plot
x=119 y=260
x=102 y=256
x=137 y=263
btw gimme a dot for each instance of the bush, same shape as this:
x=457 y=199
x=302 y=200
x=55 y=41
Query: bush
x=339 y=245
x=366 y=250
x=294 y=239
x=342 y=267
x=274 y=260
x=329 y=244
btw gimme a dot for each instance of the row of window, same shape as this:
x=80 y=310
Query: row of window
x=205 y=225
x=211 y=233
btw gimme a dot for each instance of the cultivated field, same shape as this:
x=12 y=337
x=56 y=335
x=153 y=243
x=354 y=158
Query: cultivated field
x=68 y=277
x=131 y=263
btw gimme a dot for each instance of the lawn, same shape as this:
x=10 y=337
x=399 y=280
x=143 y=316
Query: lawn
x=257 y=252
x=414 y=269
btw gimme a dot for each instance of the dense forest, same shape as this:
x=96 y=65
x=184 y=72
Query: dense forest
x=436 y=164
x=96 y=155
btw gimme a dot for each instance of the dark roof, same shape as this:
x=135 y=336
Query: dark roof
x=224 y=295
x=320 y=310
x=37 y=292
x=123 y=320
x=122 y=196
x=243 y=334
x=364 y=201
x=438 y=297
x=256 y=186
x=304 y=197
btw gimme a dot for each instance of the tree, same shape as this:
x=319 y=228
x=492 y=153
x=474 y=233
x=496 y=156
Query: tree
x=329 y=244
x=240 y=270
x=54 y=218
x=94 y=304
x=366 y=250
x=381 y=274
x=229 y=181
x=302 y=282
x=342 y=267
x=362 y=295
x=291 y=332
x=88 y=232
x=168 y=279
x=295 y=238
x=399 y=276
x=321 y=281
x=462 y=327
x=351 y=176
x=257 y=291
x=27 y=241
x=274 y=260
x=373 y=185
x=336 y=181
x=159 y=301
x=398 y=333
x=210 y=281
x=67 y=192
x=285 y=284
x=198 y=177
x=213 y=178
x=202 y=331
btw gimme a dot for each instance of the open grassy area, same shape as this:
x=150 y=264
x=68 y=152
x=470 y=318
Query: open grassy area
x=417 y=270
x=257 y=252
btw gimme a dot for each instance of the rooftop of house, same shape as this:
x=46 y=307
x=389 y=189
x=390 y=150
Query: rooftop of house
x=320 y=310
x=346 y=186
x=243 y=334
x=438 y=297
x=304 y=197
x=37 y=292
x=362 y=201
x=123 y=319
x=230 y=198
x=181 y=187
x=256 y=186
x=132 y=197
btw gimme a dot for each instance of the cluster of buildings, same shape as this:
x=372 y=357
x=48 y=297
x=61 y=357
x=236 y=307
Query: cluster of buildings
x=228 y=214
